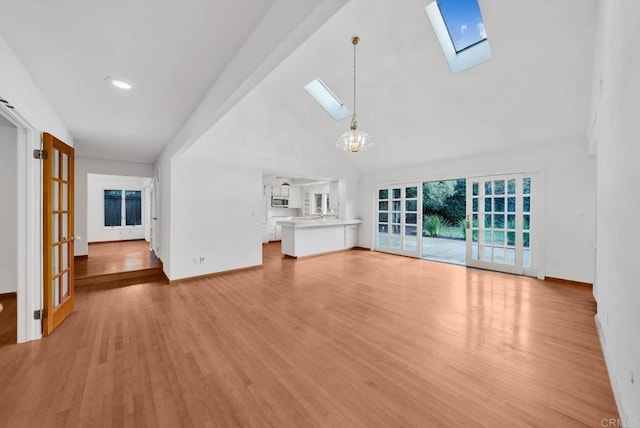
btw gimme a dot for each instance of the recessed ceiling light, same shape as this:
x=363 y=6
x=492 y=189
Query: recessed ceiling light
x=119 y=83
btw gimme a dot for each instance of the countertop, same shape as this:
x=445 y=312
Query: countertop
x=317 y=222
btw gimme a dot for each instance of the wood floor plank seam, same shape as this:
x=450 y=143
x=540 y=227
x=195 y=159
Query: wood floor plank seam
x=354 y=338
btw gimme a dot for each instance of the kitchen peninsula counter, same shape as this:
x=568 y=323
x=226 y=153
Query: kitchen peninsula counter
x=306 y=237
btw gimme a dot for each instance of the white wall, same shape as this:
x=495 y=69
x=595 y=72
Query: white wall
x=96 y=185
x=8 y=210
x=85 y=166
x=17 y=87
x=35 y=115
x=616 y=137
x=216 y=185
x=218 y=220
x=566 y=211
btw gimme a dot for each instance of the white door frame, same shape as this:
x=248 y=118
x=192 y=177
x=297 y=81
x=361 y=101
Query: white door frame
x=29 y=182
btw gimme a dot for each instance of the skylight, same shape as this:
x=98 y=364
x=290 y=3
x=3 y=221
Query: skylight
x=464 y=22
x=459 y=27
x=327 y=99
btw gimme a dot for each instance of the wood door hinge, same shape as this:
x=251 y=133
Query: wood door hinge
x=39 y=314
x=40 y=154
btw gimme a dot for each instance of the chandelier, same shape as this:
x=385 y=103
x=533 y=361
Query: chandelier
x=354 y=140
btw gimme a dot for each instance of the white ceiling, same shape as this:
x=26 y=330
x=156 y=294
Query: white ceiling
x=173 y=52
x=534 y=90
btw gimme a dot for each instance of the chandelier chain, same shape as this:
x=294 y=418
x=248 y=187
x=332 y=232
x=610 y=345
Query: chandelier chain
x=353 y=120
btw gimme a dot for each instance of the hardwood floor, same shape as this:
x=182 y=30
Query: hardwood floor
x=128 y=262
x=112 y=257
x=8 y=320
x=348 y=339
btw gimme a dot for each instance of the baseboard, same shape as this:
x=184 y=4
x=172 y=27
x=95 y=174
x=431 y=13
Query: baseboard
x=214 y=274
x=568 y=281
x=82 y=257
x=116 y=240
x=12 y=294
x=612 y=376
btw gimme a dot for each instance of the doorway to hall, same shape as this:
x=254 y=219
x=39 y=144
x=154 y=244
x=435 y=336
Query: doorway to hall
x=119 y=232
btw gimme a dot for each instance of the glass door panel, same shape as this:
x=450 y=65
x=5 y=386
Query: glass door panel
x=398 y=230
x=495 y=234
x=58 y=239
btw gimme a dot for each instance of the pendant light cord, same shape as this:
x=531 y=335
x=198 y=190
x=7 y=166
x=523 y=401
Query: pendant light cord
x=354 y=123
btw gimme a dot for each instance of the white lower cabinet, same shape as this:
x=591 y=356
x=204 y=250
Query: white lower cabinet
x=265 y=233
x=351 y=236
x=305 y=238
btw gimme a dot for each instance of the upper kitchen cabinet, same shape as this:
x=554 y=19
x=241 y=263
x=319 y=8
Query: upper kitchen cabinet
x=295 y=197
x=280 y=191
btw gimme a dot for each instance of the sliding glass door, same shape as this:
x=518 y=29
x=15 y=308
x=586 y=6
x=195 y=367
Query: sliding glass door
x=398 y=215
x=499 y=223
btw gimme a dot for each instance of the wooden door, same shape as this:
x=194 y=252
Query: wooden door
x=58 y=239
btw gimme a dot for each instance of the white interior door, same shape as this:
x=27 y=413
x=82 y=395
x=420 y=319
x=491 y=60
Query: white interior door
x=499 y=215
x=398 y=217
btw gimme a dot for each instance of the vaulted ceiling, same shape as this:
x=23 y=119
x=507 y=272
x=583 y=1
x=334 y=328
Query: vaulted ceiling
x=534 y=90
x=172 y=51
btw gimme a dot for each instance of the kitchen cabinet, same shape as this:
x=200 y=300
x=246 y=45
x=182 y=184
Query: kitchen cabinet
x=295 y=197
x=308 y=237
x=280 y=191
x=266 y=233
x=351 y=236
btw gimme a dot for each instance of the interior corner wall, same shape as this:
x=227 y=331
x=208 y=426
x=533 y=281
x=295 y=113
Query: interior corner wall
x=162 y=182
x=85 y=166
x=566 y=209
x=617 y=133
x=8 y=210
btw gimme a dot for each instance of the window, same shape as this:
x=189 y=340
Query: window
x=459 y=28
x=133 y=207
x=327 y=99
x=118 y=201
x=464 y=22
x=322 y=204
x=112 y=208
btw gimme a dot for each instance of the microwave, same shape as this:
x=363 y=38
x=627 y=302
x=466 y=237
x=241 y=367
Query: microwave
x=279 y=202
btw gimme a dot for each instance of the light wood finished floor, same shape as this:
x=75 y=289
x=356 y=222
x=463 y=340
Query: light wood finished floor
x=115 y=257
x=350 y=339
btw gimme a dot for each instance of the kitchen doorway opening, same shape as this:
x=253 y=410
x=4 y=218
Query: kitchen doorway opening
x=444 y=221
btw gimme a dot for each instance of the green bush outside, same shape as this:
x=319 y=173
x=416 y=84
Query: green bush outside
x=444 y=208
